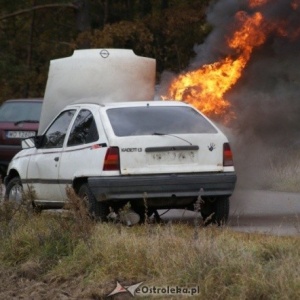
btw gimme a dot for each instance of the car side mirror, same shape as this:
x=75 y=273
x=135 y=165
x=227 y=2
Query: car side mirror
x=31 y=142
x=38 y=141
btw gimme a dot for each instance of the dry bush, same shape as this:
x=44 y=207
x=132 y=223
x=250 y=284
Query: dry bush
x=11 y=212
x=224 y=264
x=43 y=238
x=57 y=248
x=81 y=222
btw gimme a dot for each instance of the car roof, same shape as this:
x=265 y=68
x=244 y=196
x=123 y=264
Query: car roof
x=129 y=103
x=143 y=103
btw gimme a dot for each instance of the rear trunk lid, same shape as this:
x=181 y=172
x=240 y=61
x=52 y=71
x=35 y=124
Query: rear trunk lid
x=170 y=154
x=162 y=137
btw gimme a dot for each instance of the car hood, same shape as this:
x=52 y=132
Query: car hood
x=20 y=126
x=111 y=75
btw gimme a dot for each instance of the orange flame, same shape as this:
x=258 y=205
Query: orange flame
x=295 y=4
x=205 y=88
x=256 y=3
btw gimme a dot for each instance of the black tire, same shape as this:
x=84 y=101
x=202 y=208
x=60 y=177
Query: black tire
x=98 y=210
x=215 y=210
x=14 y=190
x=221 y=211
x=142 y=213
x=207 y=210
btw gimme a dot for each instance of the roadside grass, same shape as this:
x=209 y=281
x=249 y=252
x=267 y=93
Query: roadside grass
x=276 y=169
x=56 y=248
x=284 y=171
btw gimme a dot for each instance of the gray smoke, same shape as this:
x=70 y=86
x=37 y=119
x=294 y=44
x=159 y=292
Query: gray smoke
x=266 y=99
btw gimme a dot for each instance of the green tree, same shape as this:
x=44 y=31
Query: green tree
x=29 y=38
x=33 y=32
x=164 y=31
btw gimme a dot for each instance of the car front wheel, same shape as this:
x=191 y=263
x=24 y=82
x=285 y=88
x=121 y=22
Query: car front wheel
x=14 y=190
x=98 y=210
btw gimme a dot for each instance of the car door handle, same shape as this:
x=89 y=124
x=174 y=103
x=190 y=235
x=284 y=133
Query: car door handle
x=56 y=158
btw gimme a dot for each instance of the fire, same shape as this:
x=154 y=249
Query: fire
x=256 y=3
x=205 y=88
x=295 y=4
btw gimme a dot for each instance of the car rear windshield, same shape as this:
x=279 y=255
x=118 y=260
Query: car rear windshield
x=148 y=120
x=20 y=111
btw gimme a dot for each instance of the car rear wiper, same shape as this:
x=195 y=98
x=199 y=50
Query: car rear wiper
x=26 y=121
x=167 y=134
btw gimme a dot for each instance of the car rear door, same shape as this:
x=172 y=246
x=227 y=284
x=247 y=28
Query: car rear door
x=84 y=151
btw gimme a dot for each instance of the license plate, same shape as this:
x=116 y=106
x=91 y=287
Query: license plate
x=172 y=157
x=17 y=134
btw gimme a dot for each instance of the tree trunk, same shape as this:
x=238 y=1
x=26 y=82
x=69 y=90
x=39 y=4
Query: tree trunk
x=29 y=52
x=83 y=20
x=164 y=4
x=37 y=7
x=145 y=7
x=130 y=10
x=106 y=12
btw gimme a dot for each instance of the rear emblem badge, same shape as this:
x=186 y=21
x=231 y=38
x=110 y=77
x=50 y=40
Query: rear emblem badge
x=211 y=147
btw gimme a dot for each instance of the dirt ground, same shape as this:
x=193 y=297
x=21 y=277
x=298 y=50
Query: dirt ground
x=26 y=283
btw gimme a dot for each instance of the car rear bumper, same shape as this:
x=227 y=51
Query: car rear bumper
x=162 y=186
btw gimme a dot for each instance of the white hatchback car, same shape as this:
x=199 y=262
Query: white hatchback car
x=166 y=152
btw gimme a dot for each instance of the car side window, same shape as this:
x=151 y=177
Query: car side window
x=55 y=135
x=84 y=130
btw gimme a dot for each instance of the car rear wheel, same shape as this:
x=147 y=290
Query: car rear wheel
x=221 y=211
x=144 y=215
x=98 y=210
x=14 y=190
x=215 y=210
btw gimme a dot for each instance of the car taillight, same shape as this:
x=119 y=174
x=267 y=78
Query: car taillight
x=227 y=155
x=112 y=160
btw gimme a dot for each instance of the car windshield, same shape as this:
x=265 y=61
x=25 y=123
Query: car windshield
x=18 y=111
x=161 y=120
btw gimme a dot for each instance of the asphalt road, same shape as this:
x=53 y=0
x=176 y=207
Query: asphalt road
x=267 y=212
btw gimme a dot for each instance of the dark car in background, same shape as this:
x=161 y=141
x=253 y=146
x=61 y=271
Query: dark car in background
x=19 y=119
